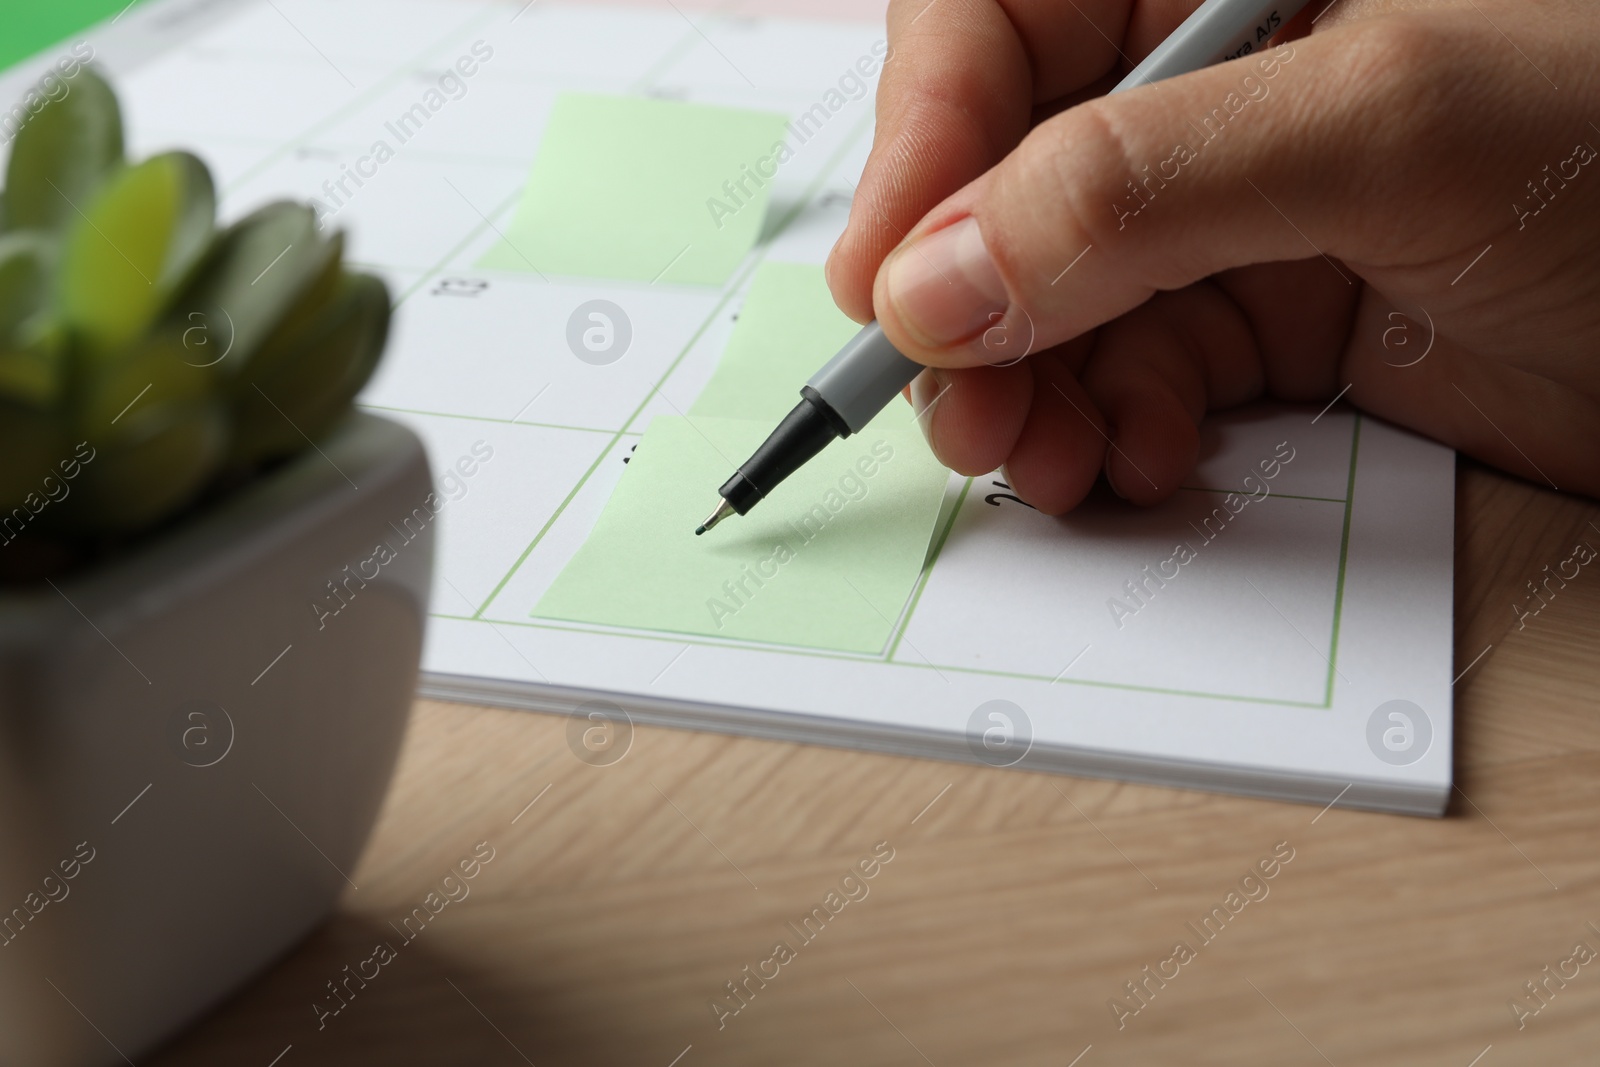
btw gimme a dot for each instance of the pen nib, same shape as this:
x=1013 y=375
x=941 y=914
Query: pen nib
x=723 y=510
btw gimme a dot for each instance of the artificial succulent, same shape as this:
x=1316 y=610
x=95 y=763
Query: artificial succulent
x=147 y=354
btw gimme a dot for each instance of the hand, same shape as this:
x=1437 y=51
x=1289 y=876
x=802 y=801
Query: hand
x=1291 y=223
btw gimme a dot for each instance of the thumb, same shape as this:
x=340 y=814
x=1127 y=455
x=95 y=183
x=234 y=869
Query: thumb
x=1248 y=161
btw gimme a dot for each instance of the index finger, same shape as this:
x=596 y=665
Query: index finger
x=958 y=93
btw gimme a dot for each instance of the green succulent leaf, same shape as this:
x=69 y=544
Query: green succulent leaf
x=159 y=430
x=138 y=243
x=263 y=266
x=173 y=452
x=32 y=368
x=311 y=307
x=143 y=353
x=111 y=403
x=304 y=378
x=34 y=372
x=25 y=263
x=61 y=155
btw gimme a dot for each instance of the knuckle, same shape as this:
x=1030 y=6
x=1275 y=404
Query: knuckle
x=1401 y=118
x=1401 y=73
x=1404 y=91
x=1065 y=179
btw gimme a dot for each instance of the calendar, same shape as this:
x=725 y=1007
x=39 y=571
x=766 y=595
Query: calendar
x=1280 y=627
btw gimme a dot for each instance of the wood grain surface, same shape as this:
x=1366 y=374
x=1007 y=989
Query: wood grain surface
x=1016 y=905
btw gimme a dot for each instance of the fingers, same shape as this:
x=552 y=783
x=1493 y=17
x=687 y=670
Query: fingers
x=1032 y=418
x=1134 y=415
x=1242 y=163
x=1300 y=316
x=955 y=96
x=972 y=417
x=953 y=99
x=1154 y=374
x=1126 y=400
x=1062 y=446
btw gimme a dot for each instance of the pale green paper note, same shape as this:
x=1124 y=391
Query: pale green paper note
x=788 y=327
x=623 y=187
x=827 y=561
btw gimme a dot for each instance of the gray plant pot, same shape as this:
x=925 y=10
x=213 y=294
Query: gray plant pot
x=194 y=746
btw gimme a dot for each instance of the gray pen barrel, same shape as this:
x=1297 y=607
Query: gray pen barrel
x=1216 y=31
x=860 y=381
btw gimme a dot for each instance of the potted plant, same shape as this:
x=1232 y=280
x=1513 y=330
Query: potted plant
x=193 y=744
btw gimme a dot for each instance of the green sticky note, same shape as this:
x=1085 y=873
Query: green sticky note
x=828 y=560
x=787 y=329
x=639 y=189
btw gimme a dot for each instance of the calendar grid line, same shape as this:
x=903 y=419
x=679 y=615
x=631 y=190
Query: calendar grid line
x=490 y=418
x=361 y=99
x=927 y=571
x=1344 y=556
x=455 y=249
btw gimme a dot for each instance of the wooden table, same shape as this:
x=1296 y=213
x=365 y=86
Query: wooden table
x=1015 y=907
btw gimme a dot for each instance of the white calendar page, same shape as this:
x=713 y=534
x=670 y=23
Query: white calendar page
x=1268 y=663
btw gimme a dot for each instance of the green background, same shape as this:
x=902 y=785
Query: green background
x=33 y=25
